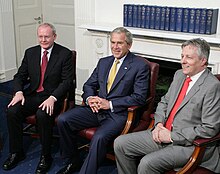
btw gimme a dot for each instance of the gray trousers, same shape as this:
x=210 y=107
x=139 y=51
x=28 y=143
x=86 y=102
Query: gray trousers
x=138 y=153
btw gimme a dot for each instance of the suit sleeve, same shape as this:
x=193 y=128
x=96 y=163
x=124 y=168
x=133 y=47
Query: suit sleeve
x=66 y=77
x=209 y=124
x=21 y=77
x=138 y=89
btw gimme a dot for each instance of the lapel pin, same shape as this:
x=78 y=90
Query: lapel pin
x=125 y=68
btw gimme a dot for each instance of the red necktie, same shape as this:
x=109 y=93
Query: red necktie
x=43 y=69
x=179 y=100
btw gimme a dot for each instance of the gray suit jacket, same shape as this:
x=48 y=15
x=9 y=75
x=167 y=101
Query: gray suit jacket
x=198 y=115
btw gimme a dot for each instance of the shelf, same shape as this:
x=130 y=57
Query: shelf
x=212 y=39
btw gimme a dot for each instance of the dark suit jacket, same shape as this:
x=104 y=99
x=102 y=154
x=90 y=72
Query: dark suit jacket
x=129 y=88
x=58 y=76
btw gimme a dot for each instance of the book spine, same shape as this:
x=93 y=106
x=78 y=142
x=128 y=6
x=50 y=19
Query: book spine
x=125 y=17
x=152 y=17
x=130 y=15
x=157 y=17
x=211 y=21
x=202 y=24
x=167 y=19
x=197 y=20
x=162 y=18
x=147 y=17
x=135 y=16
x=192 y=15
x=185 y=20
x=179 y=19
x=173 y=19
x=139 y=16
x=143 y=16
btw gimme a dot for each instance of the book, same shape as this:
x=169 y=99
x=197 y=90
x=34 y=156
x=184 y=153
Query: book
x=147 y=16
x=125 y=15
x=173 y=19
x=130 y=15
x=179 y=19
x=202 y=21
x=197 y=20
x=152 y=17
x=167 y=19
x=157 y=17
x=139 y=10
x=192 y=15
x=185 y=27
x=162 y=18
x=211 y=21
x=135 y=16
x=143 y=16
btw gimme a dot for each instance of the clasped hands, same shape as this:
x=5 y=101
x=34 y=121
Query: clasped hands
x=47 y=104
x=96 y=103
x=161 y=134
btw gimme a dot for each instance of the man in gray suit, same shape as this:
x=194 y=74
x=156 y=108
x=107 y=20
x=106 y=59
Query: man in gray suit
x=198 y=115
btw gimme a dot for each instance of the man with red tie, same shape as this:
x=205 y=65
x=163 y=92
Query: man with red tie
x=189 y=110
x=47 y=68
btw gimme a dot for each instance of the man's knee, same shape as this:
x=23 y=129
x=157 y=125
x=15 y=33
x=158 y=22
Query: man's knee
x=145 y=165
x=13 y=111
x=119 y=143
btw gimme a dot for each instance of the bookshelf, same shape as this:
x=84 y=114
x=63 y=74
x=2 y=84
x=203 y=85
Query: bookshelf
x=213 y=39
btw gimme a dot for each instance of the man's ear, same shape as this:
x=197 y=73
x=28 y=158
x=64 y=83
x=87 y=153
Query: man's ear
x=204 y=62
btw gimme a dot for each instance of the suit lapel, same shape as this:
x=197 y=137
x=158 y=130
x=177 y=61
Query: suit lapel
x=122 y=71
x=52 y=62
x=106 y=69
x=36 y=63
x=179 y=85
x=194 y=89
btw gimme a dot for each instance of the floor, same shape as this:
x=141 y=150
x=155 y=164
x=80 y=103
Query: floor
x=32 y=146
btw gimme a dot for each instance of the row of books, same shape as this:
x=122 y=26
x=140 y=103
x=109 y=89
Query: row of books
x=179 y=19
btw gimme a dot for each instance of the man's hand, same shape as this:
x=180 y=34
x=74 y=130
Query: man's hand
x=161 y=134
x=17 y=98
x=93 y=103
x=96 y=103
x=48 y=104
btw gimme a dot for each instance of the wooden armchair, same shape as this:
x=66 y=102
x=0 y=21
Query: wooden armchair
x=69 y=102
x=144 y=120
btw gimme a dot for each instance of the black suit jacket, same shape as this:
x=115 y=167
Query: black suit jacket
x=58 y=76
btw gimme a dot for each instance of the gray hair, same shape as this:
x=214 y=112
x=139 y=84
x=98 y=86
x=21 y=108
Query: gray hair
x=202 y=46
x=129 y=36
x=49 y=25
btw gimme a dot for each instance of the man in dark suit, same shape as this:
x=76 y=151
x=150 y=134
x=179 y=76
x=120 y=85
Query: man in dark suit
x=106 y=101
x=169 y=144
x=43 y=96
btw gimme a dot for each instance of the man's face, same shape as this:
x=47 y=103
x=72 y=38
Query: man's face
x=46 y=37
x=191 y=62
x=119 y=46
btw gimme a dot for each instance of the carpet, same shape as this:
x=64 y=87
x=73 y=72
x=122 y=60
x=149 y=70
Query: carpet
x=32 y=145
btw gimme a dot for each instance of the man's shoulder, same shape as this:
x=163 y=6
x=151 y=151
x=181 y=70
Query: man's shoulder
x=60 y=47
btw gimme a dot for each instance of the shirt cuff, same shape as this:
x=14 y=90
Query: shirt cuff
x=111 y=106
x=54 y=98
x=19 y=92
x=171 y=140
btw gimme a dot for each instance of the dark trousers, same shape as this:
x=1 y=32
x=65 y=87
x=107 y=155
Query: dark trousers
x=72 y=121
x=16 y=116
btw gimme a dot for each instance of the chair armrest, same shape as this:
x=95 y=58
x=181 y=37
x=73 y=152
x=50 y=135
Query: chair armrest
x=197 y=155
x=206 y=141
x=131 y=116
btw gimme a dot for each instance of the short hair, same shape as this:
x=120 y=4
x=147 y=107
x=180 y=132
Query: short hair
x=201 y=44
x=49 y=25
x=129 y=36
